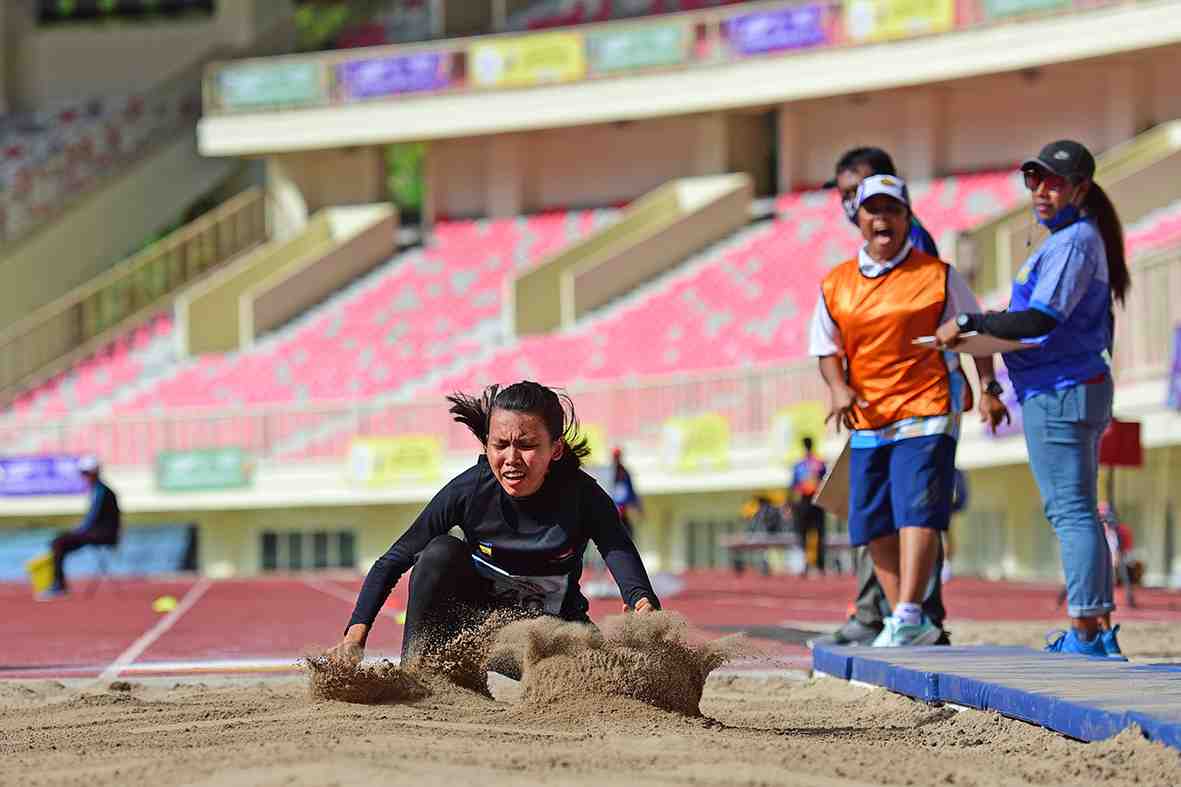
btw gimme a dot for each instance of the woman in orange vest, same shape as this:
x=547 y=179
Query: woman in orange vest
x=901 y=401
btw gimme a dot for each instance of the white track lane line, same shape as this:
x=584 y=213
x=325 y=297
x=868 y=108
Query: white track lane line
x=136 y=649
x=343 y=595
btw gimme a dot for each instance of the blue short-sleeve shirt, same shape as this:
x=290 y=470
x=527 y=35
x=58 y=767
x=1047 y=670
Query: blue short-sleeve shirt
x=1065 y=278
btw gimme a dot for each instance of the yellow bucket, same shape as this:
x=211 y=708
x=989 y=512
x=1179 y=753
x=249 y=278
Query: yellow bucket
x=40 y=571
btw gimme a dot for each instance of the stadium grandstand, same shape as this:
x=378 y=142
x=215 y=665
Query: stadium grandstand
x=621 y=198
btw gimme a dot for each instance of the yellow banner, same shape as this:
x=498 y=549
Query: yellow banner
x=596 y=440
x=385 y=461
x=696 y=443
x=791 y=425
x=527 y=60
x=879 y=20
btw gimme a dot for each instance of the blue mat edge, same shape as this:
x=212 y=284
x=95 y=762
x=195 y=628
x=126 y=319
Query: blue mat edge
x=1071 y=718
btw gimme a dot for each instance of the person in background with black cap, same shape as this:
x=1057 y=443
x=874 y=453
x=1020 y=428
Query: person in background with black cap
x=1062 y=302
x=871 y=608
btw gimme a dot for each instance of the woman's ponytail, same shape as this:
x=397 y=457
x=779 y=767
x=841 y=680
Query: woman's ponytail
x=1098 y=205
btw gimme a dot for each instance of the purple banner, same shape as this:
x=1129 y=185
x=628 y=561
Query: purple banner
x=389 y=76
x=40 y=475
x=774 y=31
x=1175 y=371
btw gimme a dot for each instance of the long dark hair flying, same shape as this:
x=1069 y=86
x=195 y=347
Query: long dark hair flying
x=1098 y=205
x=554 y=409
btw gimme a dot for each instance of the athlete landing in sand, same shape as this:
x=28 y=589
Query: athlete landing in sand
x=527 y=512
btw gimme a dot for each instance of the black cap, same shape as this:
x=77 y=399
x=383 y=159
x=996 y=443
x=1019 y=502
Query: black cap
x=1065 y=157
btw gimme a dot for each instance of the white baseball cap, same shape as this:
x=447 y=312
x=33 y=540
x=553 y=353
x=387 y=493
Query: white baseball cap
x=890 y=185
x=88 y=464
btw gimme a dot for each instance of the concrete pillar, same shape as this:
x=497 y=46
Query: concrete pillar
x=18 y=22
x=1124 y=104
x=918 y=153
x=711 y=149
x=788 y=130
x=505 y=181
x=287 y=210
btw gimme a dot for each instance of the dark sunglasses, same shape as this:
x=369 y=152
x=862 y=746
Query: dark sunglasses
x=1035 y=177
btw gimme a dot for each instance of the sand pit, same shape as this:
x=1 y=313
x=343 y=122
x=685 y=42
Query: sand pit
x=754 y=731
x=649 y=658
x=366 y=684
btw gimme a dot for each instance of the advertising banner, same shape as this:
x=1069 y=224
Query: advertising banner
x=535 y=59
x=611 y=51
x=270 y=84
x=696 y=443
x=208 y=469
x=41 y=475
x=387 y=461
x=791 y=425
x=880 y=20
x=1000 y=9
x=774 y=31
x=394 y=75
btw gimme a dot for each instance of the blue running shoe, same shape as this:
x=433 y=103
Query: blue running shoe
x=1111 y=644
x=1070 y=642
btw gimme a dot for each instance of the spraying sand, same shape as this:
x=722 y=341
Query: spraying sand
x=649 y=658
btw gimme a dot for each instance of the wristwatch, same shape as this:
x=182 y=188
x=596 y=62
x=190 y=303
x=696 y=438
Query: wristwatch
x=994 y=389
x=964 y=321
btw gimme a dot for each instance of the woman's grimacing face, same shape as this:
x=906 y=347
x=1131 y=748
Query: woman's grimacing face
x=885 y=225
x=520 y=450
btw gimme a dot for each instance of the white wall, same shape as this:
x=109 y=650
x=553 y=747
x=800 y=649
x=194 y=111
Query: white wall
x=572 y=167
x=61 y=62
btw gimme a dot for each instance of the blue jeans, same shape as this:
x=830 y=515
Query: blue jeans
x=1062 y=431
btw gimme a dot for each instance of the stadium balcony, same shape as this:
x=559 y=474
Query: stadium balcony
x=721 y=57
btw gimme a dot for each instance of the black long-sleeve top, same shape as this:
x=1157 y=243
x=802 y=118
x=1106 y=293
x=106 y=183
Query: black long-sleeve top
x=544 y=534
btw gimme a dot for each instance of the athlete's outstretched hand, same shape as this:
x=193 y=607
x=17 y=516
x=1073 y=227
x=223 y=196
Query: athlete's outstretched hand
x=642 y=606
x=346 y=652
x=351 y=649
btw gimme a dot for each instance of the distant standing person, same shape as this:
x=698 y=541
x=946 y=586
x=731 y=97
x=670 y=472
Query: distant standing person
x=100 y=526
x=623 y=491
x=871 y=607
x=1062 y=301
x=808 y=517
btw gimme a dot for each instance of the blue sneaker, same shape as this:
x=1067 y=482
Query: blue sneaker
x=1070 y=642
x=1111 y=644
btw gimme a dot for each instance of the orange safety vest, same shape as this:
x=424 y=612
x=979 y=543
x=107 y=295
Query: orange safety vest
x=878 y=319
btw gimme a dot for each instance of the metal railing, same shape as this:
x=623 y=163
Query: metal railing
x=59 y=334
x=630 y=411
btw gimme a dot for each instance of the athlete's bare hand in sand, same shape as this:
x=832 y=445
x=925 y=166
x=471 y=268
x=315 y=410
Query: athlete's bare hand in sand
x=351 y=649
x=642 y=606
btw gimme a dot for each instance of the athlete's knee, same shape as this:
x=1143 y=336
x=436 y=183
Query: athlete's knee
x=441 y=552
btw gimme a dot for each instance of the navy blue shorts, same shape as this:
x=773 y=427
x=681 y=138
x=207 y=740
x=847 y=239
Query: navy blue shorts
x=908 y=483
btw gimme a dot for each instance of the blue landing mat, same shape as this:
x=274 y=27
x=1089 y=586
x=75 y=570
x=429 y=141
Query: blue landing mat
x=1088 y=699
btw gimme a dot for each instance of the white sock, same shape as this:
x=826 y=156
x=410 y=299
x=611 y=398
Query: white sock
x=909 y=613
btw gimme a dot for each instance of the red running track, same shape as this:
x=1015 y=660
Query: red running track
x=266 y=624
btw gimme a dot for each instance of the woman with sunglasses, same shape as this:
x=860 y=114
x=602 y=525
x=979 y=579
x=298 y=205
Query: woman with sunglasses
x=901 y=401
x=1062 y=301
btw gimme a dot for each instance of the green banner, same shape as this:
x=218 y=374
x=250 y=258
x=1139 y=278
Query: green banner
x=270 y=84
x=997 y=9
x=214 y=468
x=609 y=51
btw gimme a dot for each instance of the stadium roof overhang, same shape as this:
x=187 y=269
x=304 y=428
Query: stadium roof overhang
x=769 y=81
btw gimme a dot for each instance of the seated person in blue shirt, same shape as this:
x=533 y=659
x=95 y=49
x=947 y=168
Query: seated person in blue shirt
x=100 y=526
